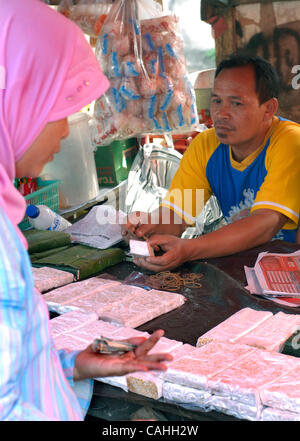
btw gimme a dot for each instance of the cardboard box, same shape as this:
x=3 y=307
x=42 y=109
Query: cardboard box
x=114 y=161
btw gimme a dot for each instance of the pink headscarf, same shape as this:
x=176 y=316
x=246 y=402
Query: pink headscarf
x=47 y=72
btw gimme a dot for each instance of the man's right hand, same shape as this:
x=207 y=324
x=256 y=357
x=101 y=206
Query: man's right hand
x=142 y=225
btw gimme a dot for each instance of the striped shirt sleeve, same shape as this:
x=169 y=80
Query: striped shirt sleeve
x=83 y=389
x=36 y=382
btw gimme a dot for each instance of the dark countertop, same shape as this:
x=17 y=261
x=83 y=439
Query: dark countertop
x=222 y=294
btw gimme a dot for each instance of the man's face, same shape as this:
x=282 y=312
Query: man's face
x=237 y=116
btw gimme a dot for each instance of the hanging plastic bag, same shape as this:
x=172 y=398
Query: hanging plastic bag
x=90 y=15
x=141 y=52
x=150 y=177
x=65 y=7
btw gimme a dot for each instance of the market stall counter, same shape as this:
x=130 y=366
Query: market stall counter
x=221 y=294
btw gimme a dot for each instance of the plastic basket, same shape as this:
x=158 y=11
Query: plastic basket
x=47 y=194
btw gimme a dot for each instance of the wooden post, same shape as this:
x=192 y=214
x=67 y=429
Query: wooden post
x=226 y=43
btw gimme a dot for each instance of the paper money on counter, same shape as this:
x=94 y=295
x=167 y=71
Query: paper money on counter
x=140 y=248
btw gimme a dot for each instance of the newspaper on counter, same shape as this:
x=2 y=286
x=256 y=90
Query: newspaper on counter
x=100 y=228
x=276 y=276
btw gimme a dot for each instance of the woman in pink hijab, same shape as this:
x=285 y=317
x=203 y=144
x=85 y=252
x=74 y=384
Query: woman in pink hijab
x=48 y=71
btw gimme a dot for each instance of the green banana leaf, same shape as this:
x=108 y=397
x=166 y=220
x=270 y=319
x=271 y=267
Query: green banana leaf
x=37 y=256
x=81 y=260
x=45 y=240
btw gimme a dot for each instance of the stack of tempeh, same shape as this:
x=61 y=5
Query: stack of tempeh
x=237 y=371
x=112 y=301
x=46 y=278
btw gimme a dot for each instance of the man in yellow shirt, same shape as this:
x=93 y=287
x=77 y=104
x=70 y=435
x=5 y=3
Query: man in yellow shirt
x=250 y=160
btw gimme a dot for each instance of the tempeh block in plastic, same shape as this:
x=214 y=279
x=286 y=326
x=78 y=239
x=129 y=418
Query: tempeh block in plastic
x=46 y=278
x=273 y=414
x=235 y=326
x=272 y=333
x=284 y=392
x=195 y=370
x=185 y=395
x=142 y=308
x=68 y=342
x=71 y=321
x=72 y=292
x=243 y=380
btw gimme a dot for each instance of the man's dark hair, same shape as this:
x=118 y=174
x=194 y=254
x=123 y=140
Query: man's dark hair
x=267 y=80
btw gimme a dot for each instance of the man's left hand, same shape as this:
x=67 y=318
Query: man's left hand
x=174 y=250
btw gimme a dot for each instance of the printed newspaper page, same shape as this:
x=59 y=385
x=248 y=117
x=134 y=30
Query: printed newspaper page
x=279 y=273
x=277 y=277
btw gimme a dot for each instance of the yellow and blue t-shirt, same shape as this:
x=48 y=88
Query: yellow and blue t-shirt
x=267 y=178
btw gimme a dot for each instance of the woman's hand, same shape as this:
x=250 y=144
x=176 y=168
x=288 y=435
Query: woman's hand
x=175 y=253
x=90 y=364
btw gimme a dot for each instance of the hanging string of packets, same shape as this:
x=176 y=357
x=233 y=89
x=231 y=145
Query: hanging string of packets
x=173 y=281
x=150 y=91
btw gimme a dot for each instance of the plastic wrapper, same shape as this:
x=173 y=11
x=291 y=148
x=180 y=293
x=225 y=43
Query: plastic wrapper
x=46 y=278
x=210 y=218
x=165 y=345
x=102 y=301
x=150 y=177
x=195 y=370
x=284 y=393
x=272 y=333
x=90 y=331
x=89 y=15
x=136 y=310
x=116 y=381
x=150 y=384
x=65 y=341
x=234 y=408
x=273 y=414
x=65 y=7
x=236 y=326
x=138 y=279
x=71 y=321
x=185 y=395
x=56 y=308
x=243 y=381
x=69 y=293
x=99 y=328
x=141 y=52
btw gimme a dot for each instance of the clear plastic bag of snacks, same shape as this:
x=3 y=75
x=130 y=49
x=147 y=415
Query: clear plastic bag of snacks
x=65 y=7
x=90 y=15
x=141 y=52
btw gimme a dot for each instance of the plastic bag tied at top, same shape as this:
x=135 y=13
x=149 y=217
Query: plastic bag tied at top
x=144 y=61
x=89 y=15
